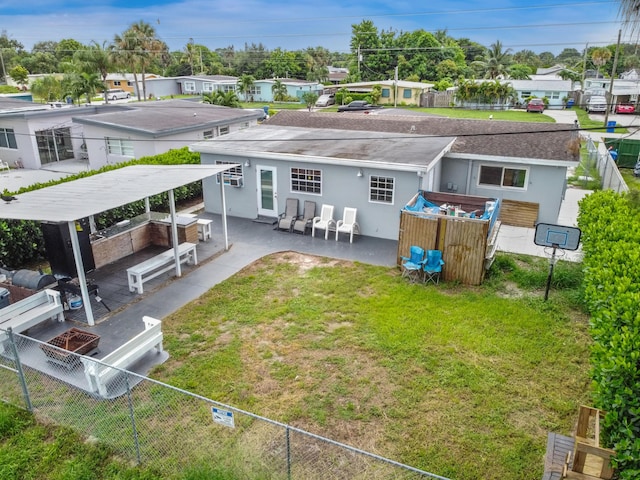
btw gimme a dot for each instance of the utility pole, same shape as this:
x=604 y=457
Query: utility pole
x=395 y=85
x=613 y=75
x=584 y=64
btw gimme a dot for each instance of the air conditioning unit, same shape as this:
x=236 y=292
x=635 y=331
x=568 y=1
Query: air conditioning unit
x=235 y=181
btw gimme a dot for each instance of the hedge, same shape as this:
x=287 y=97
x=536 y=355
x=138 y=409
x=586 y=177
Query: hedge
x=610 y=226
x=21 y=242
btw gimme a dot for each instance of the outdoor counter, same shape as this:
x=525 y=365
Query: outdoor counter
x=143 y=231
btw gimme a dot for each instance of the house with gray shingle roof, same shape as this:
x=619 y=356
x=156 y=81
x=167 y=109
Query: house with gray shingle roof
x=376 y=163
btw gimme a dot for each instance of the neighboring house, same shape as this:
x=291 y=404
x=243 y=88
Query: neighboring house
x=632 y=74
x=127 y=81
x=394 y=92
x=555 y=90
x=262 y=89
x=189 y=85
x=624 y=91
x=319 y=157
x=337 y=74
x=32 y=77
x=141 y=129
x=34 y=134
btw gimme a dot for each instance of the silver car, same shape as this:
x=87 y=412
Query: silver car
x=117 y=94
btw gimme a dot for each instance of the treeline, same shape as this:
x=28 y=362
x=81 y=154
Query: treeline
x=374 y=55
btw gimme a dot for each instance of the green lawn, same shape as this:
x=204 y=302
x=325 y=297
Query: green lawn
x=461 y=381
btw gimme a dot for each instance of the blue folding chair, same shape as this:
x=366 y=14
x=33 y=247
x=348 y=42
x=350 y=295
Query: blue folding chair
x=433 y=266
x=413 y=264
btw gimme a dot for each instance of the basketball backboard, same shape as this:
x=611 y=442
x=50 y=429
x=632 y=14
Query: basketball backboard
x=558 y=236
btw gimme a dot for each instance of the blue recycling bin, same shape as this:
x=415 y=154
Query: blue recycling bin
x=570 y=102
x=611 y=127
x=266 y=109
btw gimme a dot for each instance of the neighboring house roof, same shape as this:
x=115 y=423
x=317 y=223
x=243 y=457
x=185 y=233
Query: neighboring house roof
x=288 y=81
x=550 y=70
x=10 y=105
x=168 y=117
x=546 y=141
x=389 y=83
x=630 y=75
x=541 y=85
x=129 y=77
x=330 y=146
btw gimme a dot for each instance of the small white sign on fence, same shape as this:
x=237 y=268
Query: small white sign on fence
x=223 y=417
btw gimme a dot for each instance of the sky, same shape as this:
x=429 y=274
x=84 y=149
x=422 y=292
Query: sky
x=538 y=25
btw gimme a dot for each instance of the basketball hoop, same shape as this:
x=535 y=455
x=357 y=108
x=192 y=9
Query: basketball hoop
x=555 y=239
x=554 y=254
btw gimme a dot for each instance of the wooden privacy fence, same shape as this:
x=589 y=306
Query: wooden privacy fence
x=466 y=243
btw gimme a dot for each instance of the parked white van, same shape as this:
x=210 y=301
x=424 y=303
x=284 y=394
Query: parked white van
x=117 y=94
x=597 y=104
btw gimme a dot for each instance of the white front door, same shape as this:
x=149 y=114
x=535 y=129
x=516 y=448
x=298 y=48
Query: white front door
x=267 y=191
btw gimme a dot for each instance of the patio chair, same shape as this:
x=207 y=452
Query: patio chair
x=302 y=223
x=433 y=266
x=285 y=221
x=324 y=222
x=412 y=266
x=348 y=223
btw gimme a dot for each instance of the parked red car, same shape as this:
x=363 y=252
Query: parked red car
x=625 y=108
x=535 y=105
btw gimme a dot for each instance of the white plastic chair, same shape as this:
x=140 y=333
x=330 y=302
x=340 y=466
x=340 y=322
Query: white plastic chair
x=324 y=222
x=4 y=166
x=348 y=223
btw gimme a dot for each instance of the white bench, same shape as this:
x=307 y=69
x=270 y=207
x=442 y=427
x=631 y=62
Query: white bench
x=31 y=311
x=98 y=375
x=151 y=268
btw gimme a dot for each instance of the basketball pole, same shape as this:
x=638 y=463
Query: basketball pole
x=552 y=262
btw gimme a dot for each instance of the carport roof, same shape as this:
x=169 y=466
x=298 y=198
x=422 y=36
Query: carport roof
x=83 y=197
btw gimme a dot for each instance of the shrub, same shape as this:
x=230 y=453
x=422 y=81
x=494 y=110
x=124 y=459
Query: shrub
x=611 y=244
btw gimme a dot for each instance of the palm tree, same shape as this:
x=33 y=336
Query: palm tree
x=279 y=91
x=78 y=84
x=48 y=88
x=147 y=43
x=245 y=84
x=224 y=99
x=495 y=61
x=600 y=56
x=96 y=58
x=124 y=52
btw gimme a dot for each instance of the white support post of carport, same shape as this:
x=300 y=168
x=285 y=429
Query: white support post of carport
x=82 y=279
x=224 y=213
x=147 y=205
x=174 y=233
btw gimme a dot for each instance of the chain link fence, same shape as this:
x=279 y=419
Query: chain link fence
x=152 y=423
x=610 y=176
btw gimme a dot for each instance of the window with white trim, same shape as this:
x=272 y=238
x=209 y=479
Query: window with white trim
x=386 y=93
x=8 y=138
x=234 y=172
x=207 y=134
x=189 y=86
x=406 y=93
x=223 y=130
x=381 y=189
x=119 y=146
x=503 y=176
x=255 y=90
x=227 y=88
x=207 y=87
x=555 y=95
x=306 y=180
x=117 y=83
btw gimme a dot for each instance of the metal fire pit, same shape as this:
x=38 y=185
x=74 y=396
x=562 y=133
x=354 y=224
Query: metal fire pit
x=73 y=341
